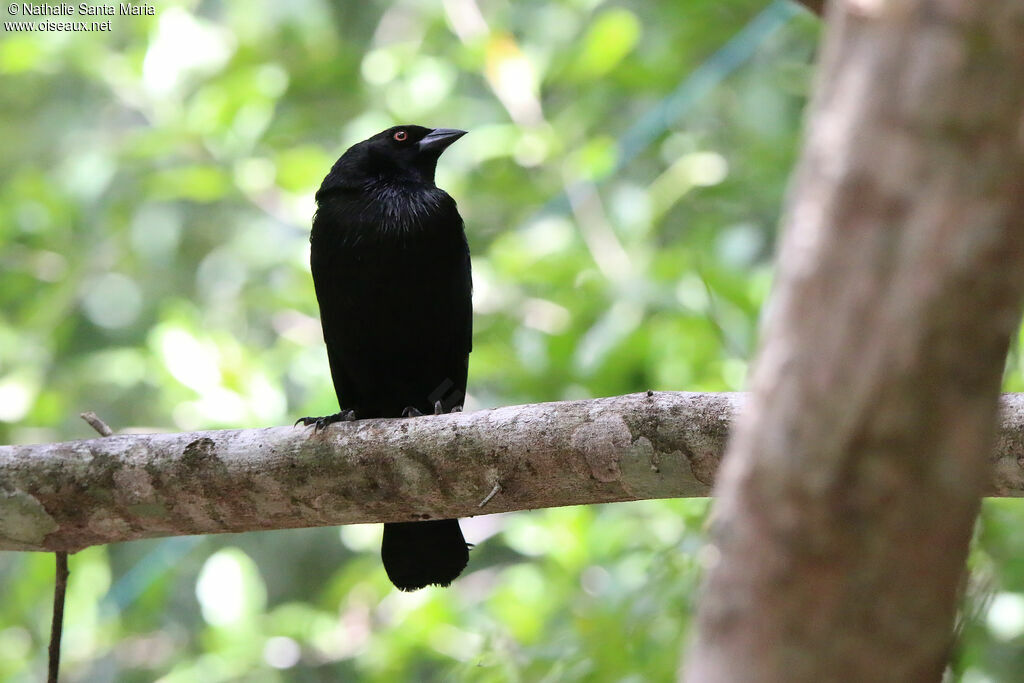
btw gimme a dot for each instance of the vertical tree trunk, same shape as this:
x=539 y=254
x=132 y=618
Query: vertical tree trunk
x=848 y=496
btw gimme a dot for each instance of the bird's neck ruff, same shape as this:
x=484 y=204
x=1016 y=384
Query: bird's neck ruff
x=402 y=207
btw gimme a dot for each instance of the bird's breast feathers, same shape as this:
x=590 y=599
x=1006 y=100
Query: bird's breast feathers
x=388 y=222
x=401 y=208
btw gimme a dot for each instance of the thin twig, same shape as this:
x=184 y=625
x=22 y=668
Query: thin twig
x=96 y=423
x=60 y=587
x=494 y=492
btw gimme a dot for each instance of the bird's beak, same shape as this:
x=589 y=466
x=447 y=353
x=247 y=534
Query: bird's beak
x=438 y=139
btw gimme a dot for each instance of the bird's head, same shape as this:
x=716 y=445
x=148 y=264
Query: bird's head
x=401 y=153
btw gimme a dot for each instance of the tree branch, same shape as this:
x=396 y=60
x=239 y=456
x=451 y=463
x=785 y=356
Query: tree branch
x=68 y=496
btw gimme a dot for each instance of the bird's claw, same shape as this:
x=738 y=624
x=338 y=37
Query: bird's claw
x=321 y=423
x=413 y=411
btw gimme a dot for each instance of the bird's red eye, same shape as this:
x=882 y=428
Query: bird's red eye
x=400 y=136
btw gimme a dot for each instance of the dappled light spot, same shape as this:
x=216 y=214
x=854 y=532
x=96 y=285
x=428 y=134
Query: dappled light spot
x=229 y=588
x=1005 y=616
x=112 y=300
x=282 y=652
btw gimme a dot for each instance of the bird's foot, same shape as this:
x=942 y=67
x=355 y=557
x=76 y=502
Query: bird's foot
x=320 y=423
x=412 y=411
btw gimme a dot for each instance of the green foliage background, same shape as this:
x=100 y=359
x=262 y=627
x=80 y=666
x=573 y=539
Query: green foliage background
x=621 y=186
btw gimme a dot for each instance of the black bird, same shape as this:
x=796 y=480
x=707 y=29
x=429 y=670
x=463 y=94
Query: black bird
x=391 y=271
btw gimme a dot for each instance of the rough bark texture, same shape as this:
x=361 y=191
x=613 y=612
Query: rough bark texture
x=71 y=495
x=846 y=505
x=80 y=493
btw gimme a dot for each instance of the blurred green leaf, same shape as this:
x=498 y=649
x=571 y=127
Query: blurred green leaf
x=611 y=36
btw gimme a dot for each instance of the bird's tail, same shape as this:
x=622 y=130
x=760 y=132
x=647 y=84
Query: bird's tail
x=418 y=554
